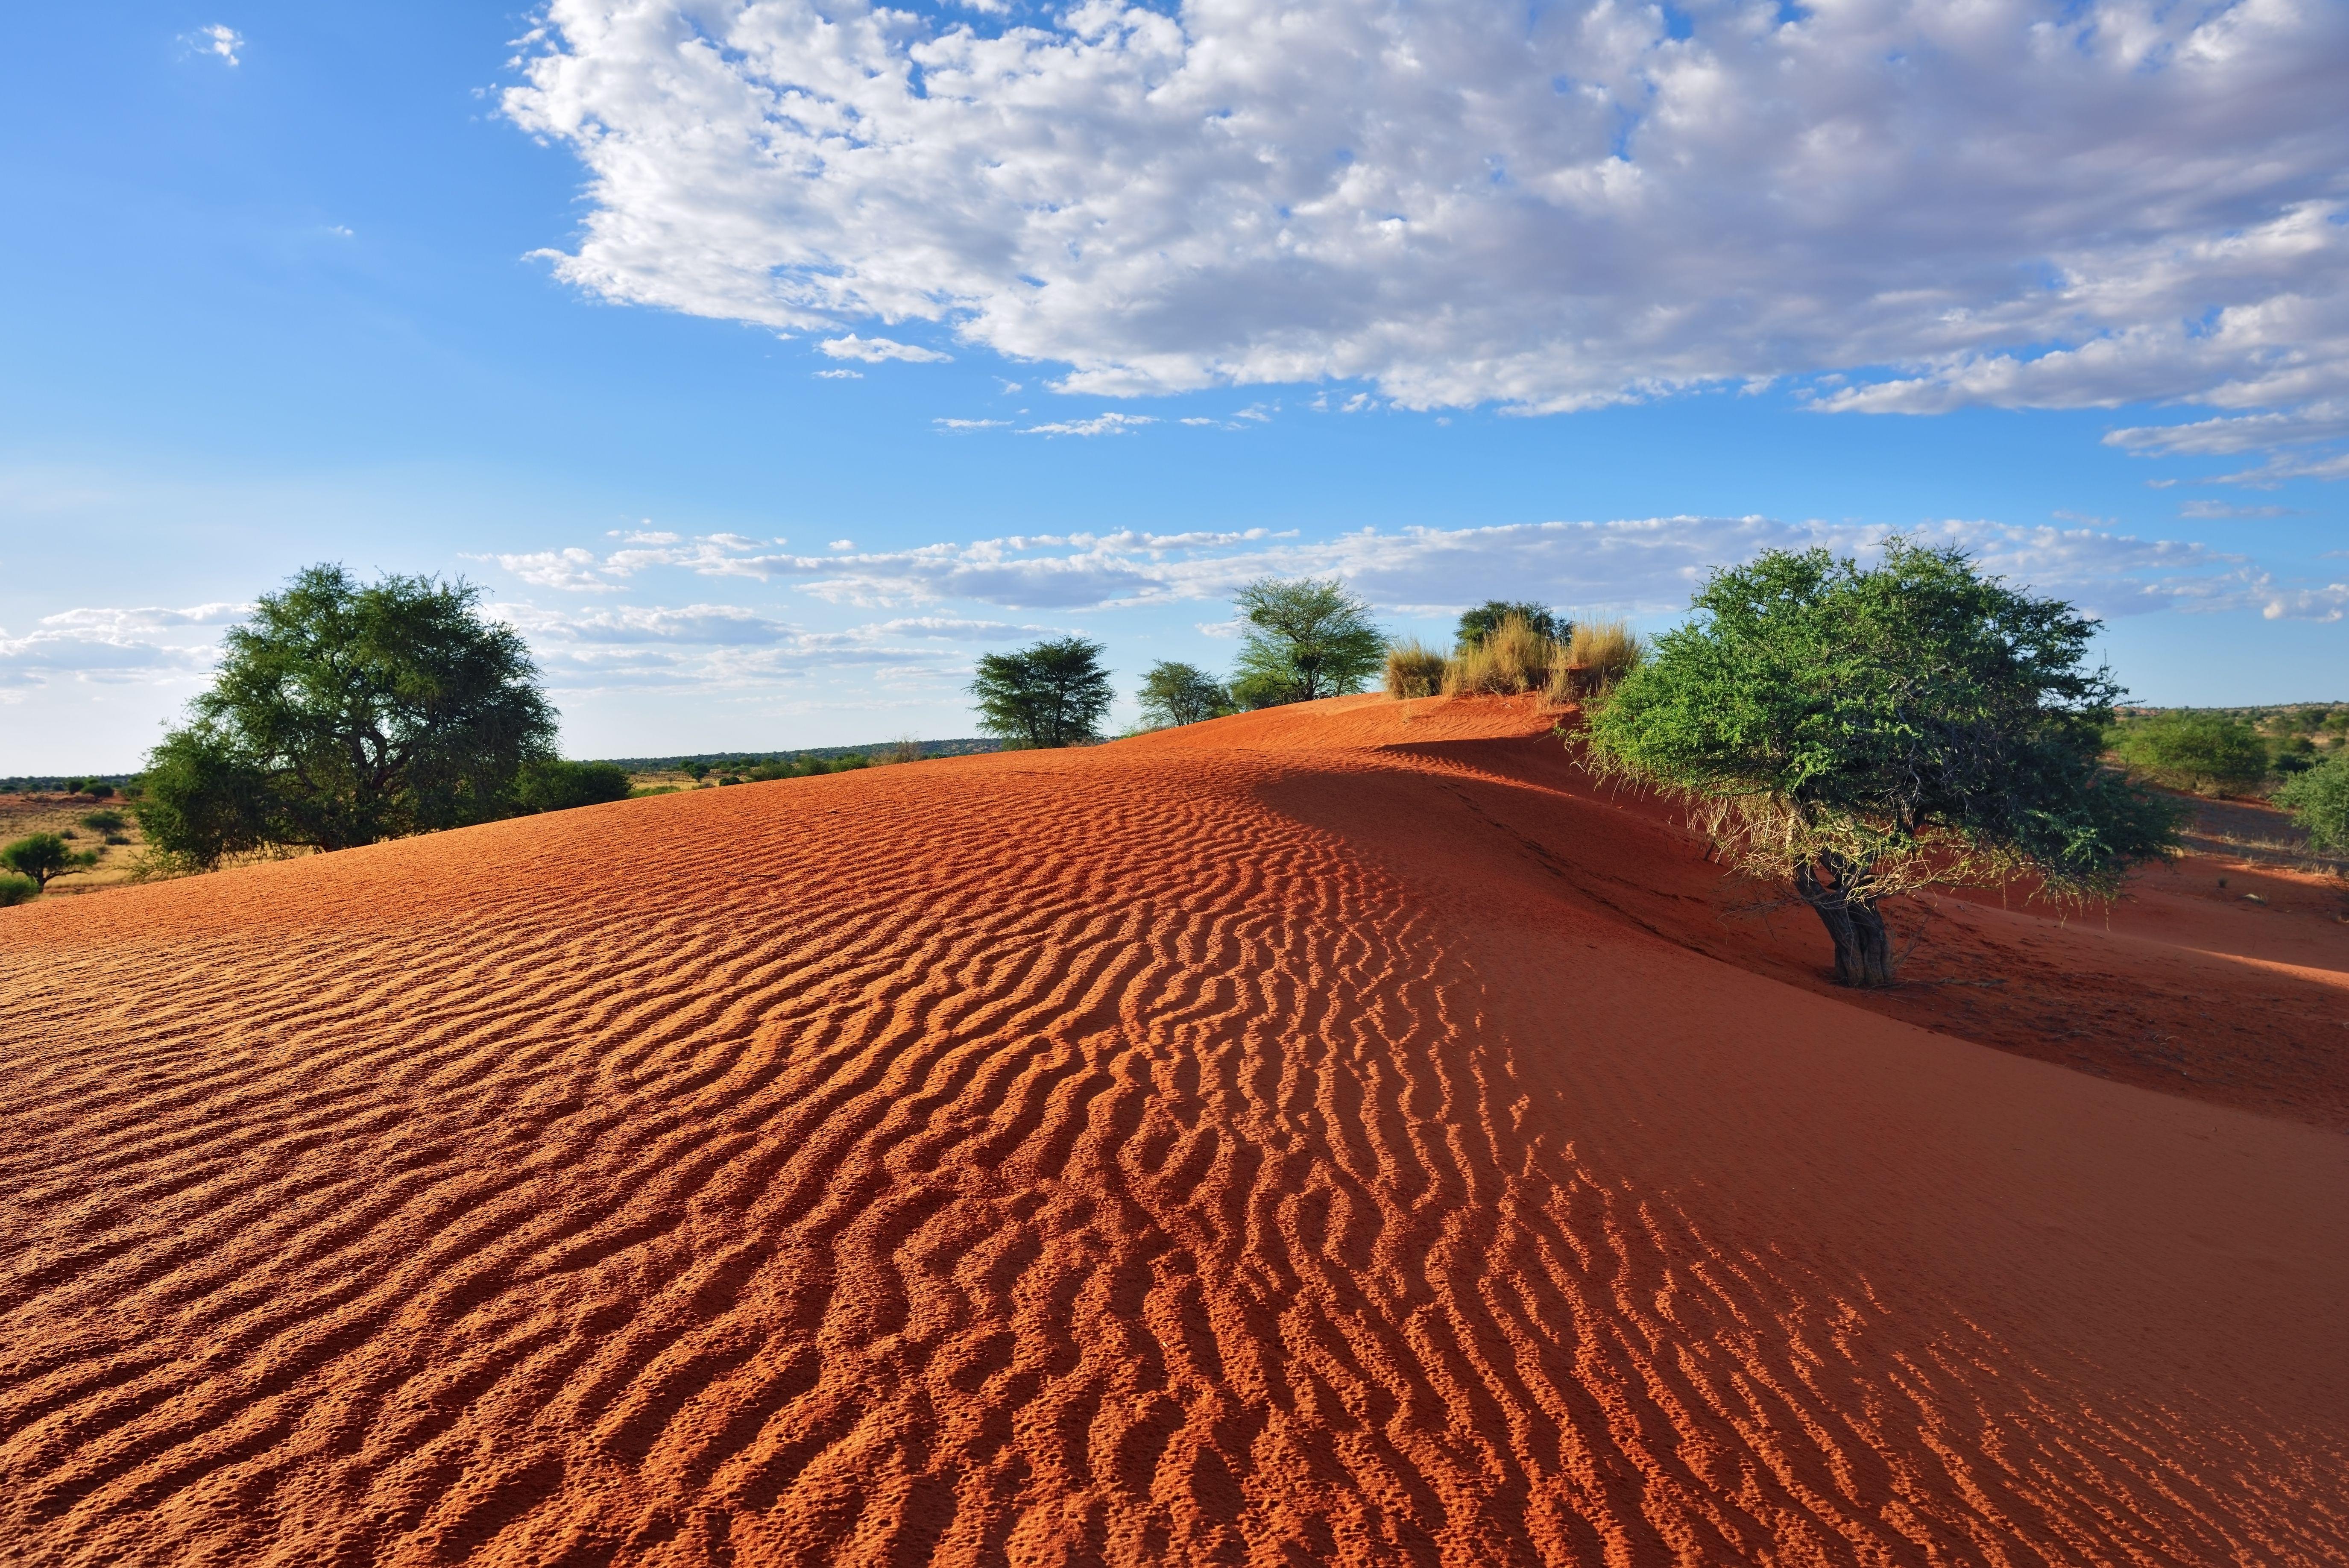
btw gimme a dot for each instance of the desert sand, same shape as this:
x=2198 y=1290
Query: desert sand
x=1335 y=1135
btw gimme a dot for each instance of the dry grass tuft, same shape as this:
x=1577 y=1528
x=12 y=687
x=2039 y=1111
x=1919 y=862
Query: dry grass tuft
x=1512 y=658
x=1601 y=654
x=1413 y=670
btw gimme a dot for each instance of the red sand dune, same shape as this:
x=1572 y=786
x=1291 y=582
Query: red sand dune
x=1328 y=1136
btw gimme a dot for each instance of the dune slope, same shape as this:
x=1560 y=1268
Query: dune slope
x=1310 y=1137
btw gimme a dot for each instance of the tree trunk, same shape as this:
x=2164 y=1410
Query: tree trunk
x=1863 y=947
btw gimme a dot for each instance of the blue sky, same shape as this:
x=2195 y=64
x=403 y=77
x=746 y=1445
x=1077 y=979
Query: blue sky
x=322 y=286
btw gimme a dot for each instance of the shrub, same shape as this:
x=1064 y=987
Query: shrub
x=97 y=790
x=18 y=889
x=1052 y=693
x=1480 y=623
x=42 y=856
x=1512 y=658
x=103 y=821
x=1175 y=693
x=1413 y=670
x=117 y=838
x=1863 y=733
x=697 y=771
x=1306 y=638
x=2208 y=753
x=2318 y=800
x=551 y=784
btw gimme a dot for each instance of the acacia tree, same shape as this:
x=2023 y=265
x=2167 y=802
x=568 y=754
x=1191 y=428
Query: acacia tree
x=1860 y=733
x=42 y=856
x=1176 y=693
x=1481 y=622
x=343 y=714
x=1053 y=694
x=1306 y=638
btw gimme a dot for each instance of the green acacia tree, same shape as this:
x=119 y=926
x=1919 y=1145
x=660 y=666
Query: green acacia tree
x=1307 y=638
x=343 y=714
x=1858 y=733
x=1176 y=693
x=1052 y=693
x=1481 y=622
x=42 y=856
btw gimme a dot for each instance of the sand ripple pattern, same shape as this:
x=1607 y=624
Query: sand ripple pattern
x=1013 y=1161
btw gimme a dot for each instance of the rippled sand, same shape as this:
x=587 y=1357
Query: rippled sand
x=1328 y=1136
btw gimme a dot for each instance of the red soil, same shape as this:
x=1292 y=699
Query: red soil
x=1330 y=1136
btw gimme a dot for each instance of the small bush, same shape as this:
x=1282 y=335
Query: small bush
x=117 y=838
x=43 y=855
x=104 y=821
x=1513 y=658
x=2204 y=753
x=18 y=889
x=1413 y=670
x=97 y=790
x=2318 y=800
x=551 y=784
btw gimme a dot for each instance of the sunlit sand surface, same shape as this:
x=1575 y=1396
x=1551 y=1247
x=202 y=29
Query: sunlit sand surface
x=1336 y=1135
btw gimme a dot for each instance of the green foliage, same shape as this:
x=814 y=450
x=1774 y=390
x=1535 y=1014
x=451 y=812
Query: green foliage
x=103 y=821
x=1307 y=638
x=1481 y=622
x=1175 y=693
x=346 y=713
x=42 y=856
x=1054 y=693
x=1861 y=734
x=2318 y=799
x=97 y=790
x=17 y=890
x=697 y=771
x=2208 y=753
x=551 y=784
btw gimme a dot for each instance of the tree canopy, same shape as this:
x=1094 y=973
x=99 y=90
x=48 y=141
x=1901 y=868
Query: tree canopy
x=552 y=783
x=1306 y=637
x=42 y=856
x=1176 y=693
x=343 y=714
x=2318 y=799
x=2209 y=753
x=1481 y=622
x=1861 y=732
x=1052 y=693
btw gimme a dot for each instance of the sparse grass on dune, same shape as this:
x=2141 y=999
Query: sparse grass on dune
x=1413 y=670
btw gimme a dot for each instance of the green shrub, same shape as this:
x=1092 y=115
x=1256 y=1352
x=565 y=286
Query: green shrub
x=551 y=784
x=1413 y=670
x=2318 y=800
x=18 y=889
x=117 y=838
x=2205 y=753
x=42 y=856
x=104 y=821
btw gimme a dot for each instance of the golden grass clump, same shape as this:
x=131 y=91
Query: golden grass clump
x=1413 y=670
x=1512 y=658
x=1598 y=656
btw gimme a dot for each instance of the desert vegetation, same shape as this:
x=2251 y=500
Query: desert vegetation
x=1505 y=647
x=1858 y=733
x=1053 y=694
x=1177 y=693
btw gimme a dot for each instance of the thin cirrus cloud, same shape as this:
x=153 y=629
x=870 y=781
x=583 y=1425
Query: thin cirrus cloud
x=610 y=648
x=1925 y=204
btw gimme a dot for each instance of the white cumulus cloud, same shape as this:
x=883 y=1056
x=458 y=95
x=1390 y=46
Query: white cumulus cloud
x=872 y=351
x=219 y=41
x=1949 y=201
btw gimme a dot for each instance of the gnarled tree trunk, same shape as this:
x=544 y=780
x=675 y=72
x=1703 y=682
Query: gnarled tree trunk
x=1863 y=947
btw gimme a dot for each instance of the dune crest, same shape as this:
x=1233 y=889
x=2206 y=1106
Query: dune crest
x=1305 y=1138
